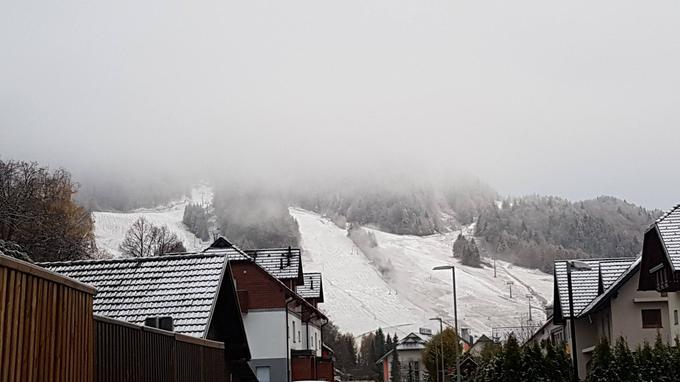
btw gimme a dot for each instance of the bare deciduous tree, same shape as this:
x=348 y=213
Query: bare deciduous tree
x=37 y=213
x=144 y=239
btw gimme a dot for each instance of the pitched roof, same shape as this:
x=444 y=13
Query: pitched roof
x=182 y=286
x=587 y=284
x=222 y=246
x=312 y=287
x=624 y=276
x=668 y=226
x=412 y=341
x=283 y=263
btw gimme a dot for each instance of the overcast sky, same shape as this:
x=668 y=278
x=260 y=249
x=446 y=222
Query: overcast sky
x=572 y=98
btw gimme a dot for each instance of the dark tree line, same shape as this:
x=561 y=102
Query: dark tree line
x=657 y=362
x=196 y=218
x=534 y=230
x=359 y=361
x=253 y=218
x=466 y=250
x=38 y=216
x=511 y=363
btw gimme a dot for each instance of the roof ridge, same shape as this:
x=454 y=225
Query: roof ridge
x=599 y=259
x=272 y=249
x=665 y=214
x=188 y=255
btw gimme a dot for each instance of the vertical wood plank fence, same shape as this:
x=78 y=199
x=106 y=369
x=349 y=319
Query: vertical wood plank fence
x=49 y=333
x=45 y=325
x=127 y=352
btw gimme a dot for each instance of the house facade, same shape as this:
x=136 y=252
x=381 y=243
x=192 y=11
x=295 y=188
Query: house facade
x=608 y=304
x=410 y=357
x=284 y=327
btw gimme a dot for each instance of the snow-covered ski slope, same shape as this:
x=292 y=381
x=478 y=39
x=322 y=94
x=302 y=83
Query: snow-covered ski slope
x=359 y=298
x=110 y=227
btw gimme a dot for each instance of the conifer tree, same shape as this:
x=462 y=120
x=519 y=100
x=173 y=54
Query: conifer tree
x=624 y=362
x=644 y=362
x=533 y=364
x=601 y=365
x=661 y=360
x=395 y=370
x=512 y=362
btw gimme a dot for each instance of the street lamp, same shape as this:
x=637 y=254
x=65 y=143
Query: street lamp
x=455 y=313
x=577 y=266
x=441 y=345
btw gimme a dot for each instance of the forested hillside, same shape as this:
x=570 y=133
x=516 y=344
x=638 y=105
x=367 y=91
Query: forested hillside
x=253 y=218
x=420 y=209
x=534 y=230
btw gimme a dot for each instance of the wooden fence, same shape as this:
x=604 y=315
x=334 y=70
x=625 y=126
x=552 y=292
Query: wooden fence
x=127 y=352
x=48 y=333
x=45 y=325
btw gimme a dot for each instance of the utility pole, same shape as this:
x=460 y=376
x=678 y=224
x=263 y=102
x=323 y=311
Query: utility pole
x=529 y=297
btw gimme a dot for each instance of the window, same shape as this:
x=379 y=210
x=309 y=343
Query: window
x=675 y=316
x=299 y=338
x=651 y=318
x=262 y=373
x=557 y=336
x=293 y=331
x=316 y=346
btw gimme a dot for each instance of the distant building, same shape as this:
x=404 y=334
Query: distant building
x=479 y=345
x=409 y=353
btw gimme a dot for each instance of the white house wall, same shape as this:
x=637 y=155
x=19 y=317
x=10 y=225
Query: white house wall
x=266 y=333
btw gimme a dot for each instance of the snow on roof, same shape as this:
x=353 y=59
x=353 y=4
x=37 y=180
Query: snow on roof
x=586 y=284
x=618 y=283
x=412 y=341
x=283 y=263
x=312 y=287
x=668 y=226
x=132 y=289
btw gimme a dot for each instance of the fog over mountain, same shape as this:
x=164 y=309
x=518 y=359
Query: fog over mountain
x=577 y=101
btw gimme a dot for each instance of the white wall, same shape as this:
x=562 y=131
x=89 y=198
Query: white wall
x=303 y=341
x=266 y=332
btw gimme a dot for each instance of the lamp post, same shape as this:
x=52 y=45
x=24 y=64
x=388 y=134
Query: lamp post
x=441 y=345
x=577 y=266
x=529 y=297
x=455 y=313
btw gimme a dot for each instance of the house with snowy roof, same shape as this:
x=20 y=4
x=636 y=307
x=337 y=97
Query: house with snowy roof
x=410 y=357
x=192 y=295
x=607 y=304
x=279 y=309
x=660 y=268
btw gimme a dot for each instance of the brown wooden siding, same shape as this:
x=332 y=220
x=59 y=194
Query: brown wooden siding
x=264 y=292
x=127 y=352
x=45 y=325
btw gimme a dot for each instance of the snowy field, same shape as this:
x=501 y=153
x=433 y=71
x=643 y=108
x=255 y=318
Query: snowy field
x=110 y=227
x=360 y=298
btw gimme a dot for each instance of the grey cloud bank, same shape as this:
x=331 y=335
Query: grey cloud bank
x=575 y=99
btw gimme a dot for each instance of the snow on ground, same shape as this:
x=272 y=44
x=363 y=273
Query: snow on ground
x=110 y=227
x=359 y=298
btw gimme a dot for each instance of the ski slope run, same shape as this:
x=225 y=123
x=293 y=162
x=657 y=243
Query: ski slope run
x=360 y=298
x=110 y=227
